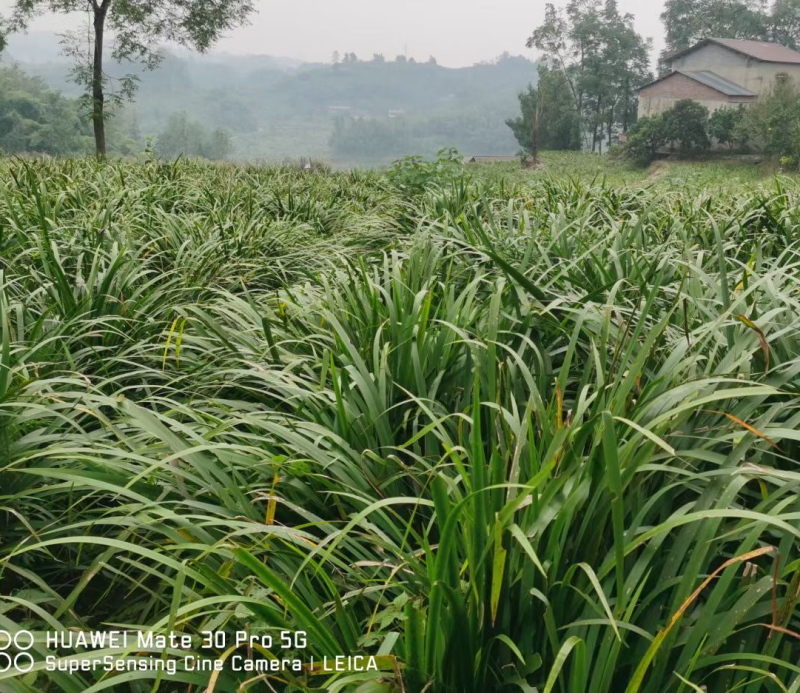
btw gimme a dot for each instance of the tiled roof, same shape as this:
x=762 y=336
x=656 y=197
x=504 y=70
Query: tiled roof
x=709 y=79
x=713 y=80
x=760 y=50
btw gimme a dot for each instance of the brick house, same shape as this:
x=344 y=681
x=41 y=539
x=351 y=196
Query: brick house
x=720 y=72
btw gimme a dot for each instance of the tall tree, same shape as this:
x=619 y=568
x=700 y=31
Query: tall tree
x=137 y=28
x=785 y=23
x=688 y=21
x=548 y=118
x=602 y=59
x=626 y=66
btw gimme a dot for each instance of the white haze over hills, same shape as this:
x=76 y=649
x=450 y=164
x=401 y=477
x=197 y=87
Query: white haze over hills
x=458 y=33
x=43 y=47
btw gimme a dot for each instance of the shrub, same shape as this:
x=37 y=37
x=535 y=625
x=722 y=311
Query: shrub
x=413 y=174
x=726 y=126
x=773 y=124
x=683 y=127
x=686 y=127
x=645 y=138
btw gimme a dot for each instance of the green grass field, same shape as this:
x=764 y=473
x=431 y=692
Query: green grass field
x=715 y=172
x=504 y=431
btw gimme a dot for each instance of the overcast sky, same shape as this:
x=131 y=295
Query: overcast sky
x=456 y=32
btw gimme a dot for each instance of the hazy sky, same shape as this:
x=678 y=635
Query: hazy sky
x=456 y=32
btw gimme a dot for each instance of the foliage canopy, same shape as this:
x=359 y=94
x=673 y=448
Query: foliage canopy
x=559 y=121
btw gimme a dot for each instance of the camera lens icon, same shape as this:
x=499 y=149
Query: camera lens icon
x=23 y=662
x=22 y=641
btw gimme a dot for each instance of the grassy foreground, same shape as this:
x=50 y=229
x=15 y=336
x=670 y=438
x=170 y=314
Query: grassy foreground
x=505 y=435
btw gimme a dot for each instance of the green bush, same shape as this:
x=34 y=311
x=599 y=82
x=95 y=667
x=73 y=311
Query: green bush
x=645 y=138
x=413 y=174
x=773 y=124
x=686 y=127
x=727 y=126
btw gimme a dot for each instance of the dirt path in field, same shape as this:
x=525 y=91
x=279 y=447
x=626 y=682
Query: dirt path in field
x=657 y=170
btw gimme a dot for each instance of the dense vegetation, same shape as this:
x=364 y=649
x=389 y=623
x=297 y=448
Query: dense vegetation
x=548 y=110
x=529 y=434
x=34 y=118
x=770 y=127
x=684 y=128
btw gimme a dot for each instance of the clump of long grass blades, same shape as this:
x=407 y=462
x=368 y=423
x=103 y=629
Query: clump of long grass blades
x=502 y=436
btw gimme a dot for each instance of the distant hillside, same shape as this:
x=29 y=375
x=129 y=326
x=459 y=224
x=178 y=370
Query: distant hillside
x=354 y=111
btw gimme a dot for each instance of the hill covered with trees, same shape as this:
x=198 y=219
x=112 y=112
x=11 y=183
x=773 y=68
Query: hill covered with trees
x=351 y=110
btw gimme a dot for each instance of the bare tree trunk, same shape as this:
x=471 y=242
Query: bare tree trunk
x=98 y=100
x=535 y=133
x=598 y=125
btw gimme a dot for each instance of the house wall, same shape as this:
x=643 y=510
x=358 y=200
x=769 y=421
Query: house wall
x=661 y=96
x=752 y=74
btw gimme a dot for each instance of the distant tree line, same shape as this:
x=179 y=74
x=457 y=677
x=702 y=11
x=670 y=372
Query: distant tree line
x=184 y=136
x=278 y=111
x=377 y=59
x=478 y=130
